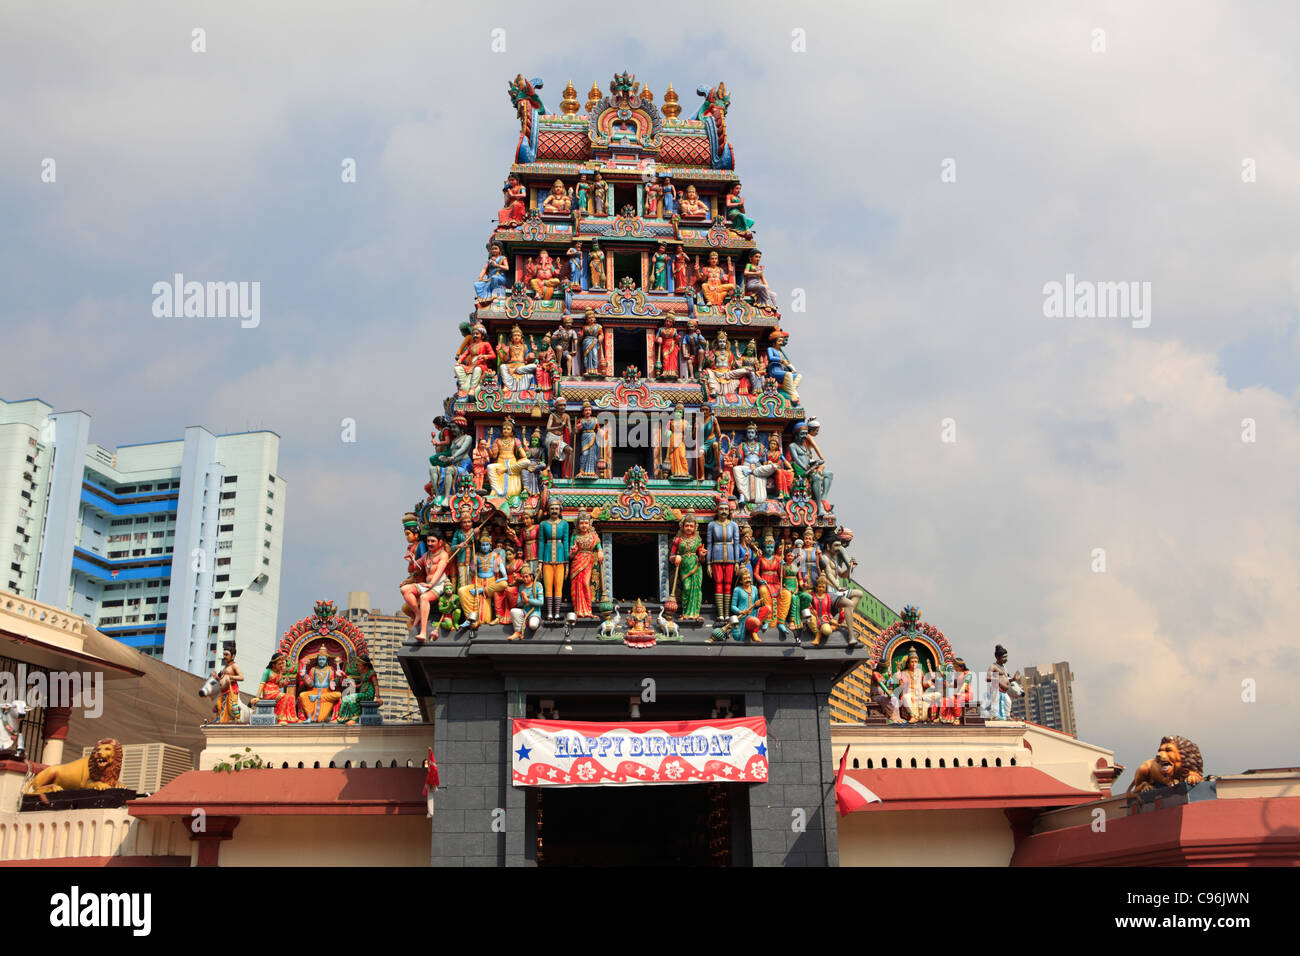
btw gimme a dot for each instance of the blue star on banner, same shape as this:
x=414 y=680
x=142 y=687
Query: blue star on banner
x=762 y=750
x=523 y=752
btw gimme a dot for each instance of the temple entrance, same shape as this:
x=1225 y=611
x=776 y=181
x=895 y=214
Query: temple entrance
x=636 y=566
x=629 y=349
x=655 y=825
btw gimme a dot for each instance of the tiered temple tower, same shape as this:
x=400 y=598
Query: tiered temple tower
x=626 y=462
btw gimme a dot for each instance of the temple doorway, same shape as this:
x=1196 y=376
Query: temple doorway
x=629 y=349
x=653 y=825
x=636 y=566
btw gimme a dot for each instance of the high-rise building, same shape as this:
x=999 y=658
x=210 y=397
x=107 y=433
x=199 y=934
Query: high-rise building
x=1048 y=699
x=851 y=694
x=384 y=635
x=171 y=547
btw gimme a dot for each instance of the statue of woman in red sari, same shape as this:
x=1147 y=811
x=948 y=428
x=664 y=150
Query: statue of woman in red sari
x=585 y=557
x=275 y=687
x=516 y=198
x=669 y=349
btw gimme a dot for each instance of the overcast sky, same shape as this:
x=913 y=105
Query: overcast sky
x=925 y=297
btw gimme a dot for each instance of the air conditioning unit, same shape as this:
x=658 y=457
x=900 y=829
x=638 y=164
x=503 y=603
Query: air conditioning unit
x=147 y=768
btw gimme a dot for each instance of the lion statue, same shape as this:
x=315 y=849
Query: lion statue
x=1177 y=760
x=98 y=770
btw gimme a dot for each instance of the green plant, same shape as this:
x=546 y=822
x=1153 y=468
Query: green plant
x=245 y=761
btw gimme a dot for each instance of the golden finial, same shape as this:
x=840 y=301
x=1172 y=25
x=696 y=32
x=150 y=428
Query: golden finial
x=671 y=109
x=569 y=105
x=647 y=95
x=593 y=96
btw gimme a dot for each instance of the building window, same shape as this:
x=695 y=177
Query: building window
x=223 y=577
x=226 y=527
x=230 y=479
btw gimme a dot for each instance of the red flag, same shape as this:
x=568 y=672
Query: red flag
x=431 y=778
x=850 y=795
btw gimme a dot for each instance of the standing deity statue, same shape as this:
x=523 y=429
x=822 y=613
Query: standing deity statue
x=593 y=346
x=653 y=199
x=1001 y=687
x=462 y=547
x=669 y=359
x=723 y=543
x=559 y=433
x=681 y=273
x=564 y=340
x=587 y=440
x=553 y=546
x=694 y=347
x=582 y=194
x=782 y=473
x=670 y=198
x=228 y=676
x=687 y=553
x=575 y=276
x=585 y=557
x=599 y=196
x=597 y=266
x=675 y=444
x=660 y=265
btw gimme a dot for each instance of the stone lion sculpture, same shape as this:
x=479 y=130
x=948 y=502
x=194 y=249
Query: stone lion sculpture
x=1177 y=760
x=98 y=770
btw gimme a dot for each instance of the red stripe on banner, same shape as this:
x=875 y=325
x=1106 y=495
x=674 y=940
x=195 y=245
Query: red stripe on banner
x=675 y=728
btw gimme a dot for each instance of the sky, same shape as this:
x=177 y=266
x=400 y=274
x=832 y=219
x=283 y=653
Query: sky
x=921 y=172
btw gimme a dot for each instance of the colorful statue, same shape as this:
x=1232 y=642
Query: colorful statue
x=723 y=543
x=807 y=462
x=597 y=266
x=462 y=545
x=670 y=199
x=686 y=554
x=531 y=474
x=669 y=348
x=793 y=597
x=449 y=613
x=694 y=347
x=429 y=577
x=585 y=558
x=275 y=686
x=588 y=443
x=508 y=461
x=559 y=431
x=959 y=691
x=101 y=769
x=659 y=266
x=639 y=633
x=446 y=466
x=692 y=206
x=322 y=695
x=709 y=455
x=718 y=284
x=915 y=697
x=782 y=474
x=564 y=340
x=653 y=198
x=518 y=368
x=574 y=255
x=734 y=209
x=1177 y=760
x=754 y=469
x=516 y=203
x=748 y=610
x=558 y=201
x=494 y=280
x=473 y=361
x=599 y=196
x=1001 y=687
x=756 y=283
x=367 y=684
x=526 y=615
x=822 y=617
x=546 y=279
x=553 y=538
x=675 y=444
x=582 y=194
x=487 y=579
x=779 y=367
x=593 y=346
x=227 y=678
x=767 y=567
x=530 y=542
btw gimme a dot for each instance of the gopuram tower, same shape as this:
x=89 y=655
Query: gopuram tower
x=628 y=520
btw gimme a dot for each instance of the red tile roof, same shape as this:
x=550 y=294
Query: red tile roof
x=374 y=790
x=967 y=788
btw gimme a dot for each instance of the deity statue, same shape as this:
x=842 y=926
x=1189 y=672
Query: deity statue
x=508 y=461
x=553 y=540
x=367 y=684
x=582 y=194
x=565 y=342
x=694 y=345
x=518 y=366
x=531 y=474
x=724 y=372
x=516 y=203
x=548 y=369
x=639 y=628
x=559 y=432
x=793 y=597
x=959 y=691
x=574 y=255
x=756 y=283
x=653 y=199
x=675 y=444
x=783 y=474
x=526 y=615
x=670 y=199
x=275 y=687
x=809 y=465
x=462 y=544
x=427 y=579
x=709 y=454
x=473 y=361
x=449 y=613
x=723 y=543
x=767 y=567
x=754 y=469
x=558 y=202
x=686 y=554
x=530 y=541
x=823 y=617
x=446 y=466
x=228 y=676
x=487 y=579
x=681 y=273
x=719 y=284
x=779 y=367
x=599 y=196
x=494 y=280
x=593 y=346
x=669 y=347
x=322 y=680
x=1002 y=687
x=504 y=601
x=692 y=206
x=588 y=443
x=478 y=464
x=748 y=611
x=659 y=266
x=546 y=279
x=585 y=557
x=597 y=266
x=734 y=207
